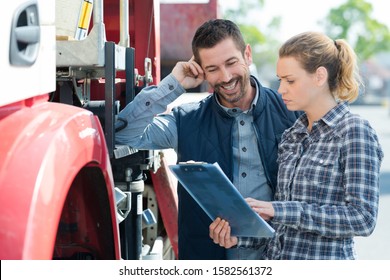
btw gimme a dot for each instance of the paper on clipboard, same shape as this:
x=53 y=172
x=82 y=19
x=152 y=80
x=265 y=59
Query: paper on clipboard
x=217 y=196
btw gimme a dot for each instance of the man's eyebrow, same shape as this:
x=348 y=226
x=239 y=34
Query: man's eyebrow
x=210 y=66
x=231 y=58
x=226 y=61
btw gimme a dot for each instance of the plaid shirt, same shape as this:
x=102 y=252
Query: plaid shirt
x=328 y=188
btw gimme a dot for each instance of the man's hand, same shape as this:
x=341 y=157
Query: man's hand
x=189 y=74
x=220 y=233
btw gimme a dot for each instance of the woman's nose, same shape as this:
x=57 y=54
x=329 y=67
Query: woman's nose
x=281 y=89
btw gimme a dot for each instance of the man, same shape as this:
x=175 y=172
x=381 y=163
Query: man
x=239 y=126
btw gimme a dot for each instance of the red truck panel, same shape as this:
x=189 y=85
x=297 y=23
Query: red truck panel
x=43 y=147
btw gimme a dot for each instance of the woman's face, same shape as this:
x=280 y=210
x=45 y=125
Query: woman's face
x=299 y=89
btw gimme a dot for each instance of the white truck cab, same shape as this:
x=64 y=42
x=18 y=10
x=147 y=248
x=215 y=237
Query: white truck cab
x=27 y=51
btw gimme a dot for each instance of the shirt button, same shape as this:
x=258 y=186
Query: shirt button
x=171 y=87
x=234 y=110
x=243 y=174
x=147 y=103
x=244 y=149
x=242 y=122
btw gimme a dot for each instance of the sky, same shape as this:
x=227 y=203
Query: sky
x=303 y=15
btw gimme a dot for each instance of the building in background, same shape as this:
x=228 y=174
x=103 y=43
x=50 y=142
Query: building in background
x=179 y=21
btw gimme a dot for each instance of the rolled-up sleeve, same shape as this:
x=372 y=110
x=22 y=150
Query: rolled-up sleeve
x=147 y=124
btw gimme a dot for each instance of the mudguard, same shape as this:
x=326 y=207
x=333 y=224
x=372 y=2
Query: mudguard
x=42 y=148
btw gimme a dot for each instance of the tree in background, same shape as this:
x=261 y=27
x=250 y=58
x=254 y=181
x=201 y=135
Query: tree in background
x=264 y=43
x=353 y=21
x=240 y=15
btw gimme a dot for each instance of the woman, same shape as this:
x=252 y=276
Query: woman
x=329 y=160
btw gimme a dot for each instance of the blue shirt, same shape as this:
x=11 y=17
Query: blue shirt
x=248 y=174
x=328 y=188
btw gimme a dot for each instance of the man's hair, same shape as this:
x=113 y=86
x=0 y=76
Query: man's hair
x=213 y=32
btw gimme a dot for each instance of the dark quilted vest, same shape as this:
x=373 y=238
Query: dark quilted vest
x=205 y=134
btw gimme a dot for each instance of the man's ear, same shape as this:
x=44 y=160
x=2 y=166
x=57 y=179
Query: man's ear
x=248 y=54
x=321 y=75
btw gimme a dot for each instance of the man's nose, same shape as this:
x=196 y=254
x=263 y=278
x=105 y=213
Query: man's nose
x=226 y=76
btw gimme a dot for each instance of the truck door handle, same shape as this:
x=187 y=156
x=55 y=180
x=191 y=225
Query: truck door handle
x=25 y=35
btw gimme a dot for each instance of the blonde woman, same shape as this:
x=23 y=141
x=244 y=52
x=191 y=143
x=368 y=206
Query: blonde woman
x=329 y=160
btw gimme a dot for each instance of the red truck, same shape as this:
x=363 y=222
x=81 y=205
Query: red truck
x=66 y=190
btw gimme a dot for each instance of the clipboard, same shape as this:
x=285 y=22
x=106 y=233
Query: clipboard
x=218 y=197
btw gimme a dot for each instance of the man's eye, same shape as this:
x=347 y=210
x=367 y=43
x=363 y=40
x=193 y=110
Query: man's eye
x=290 y=82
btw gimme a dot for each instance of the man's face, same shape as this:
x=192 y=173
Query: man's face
x=227 y=72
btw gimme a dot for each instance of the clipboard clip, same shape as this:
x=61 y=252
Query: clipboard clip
x=192 y=162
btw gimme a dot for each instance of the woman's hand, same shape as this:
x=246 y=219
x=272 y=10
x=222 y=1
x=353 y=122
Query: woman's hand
x=220 y=233
x=263 y=208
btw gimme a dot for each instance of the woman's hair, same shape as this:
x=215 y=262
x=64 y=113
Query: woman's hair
x=213 y=32
x=313 y=50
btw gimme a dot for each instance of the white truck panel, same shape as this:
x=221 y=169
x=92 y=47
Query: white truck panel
x=24 y=81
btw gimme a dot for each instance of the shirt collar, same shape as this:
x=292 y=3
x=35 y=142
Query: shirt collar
x=331 y=118
x=335 y=114
x=236 y=111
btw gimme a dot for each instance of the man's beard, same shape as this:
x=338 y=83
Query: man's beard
x=233 y=99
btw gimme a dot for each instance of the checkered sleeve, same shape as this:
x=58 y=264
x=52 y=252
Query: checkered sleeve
x=250 y=242
x=355 y=215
